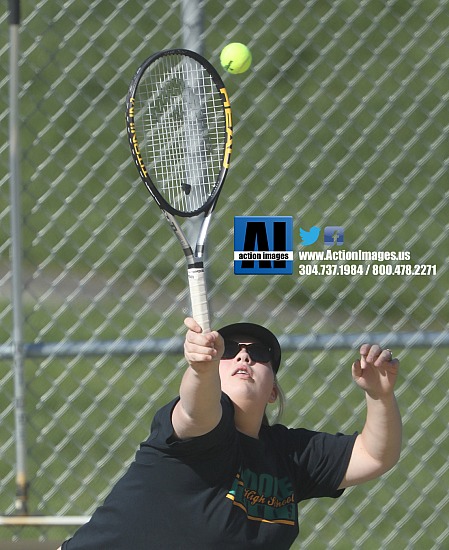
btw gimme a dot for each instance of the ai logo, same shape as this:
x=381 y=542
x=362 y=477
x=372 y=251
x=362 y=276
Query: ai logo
x=263 y=245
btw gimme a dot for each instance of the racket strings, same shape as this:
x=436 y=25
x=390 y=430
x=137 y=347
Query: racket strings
x=181 y=127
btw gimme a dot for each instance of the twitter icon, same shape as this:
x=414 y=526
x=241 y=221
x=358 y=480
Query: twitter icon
x=309 y=237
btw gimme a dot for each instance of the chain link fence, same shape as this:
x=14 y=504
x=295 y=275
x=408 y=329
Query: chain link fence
x=343 y=121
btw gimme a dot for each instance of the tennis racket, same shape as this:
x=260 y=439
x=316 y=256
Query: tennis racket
x=179 y=125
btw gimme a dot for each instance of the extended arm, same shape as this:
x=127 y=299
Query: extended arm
x=199 y=410
x=378 y=447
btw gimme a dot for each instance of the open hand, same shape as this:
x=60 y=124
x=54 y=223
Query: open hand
x=376 y=371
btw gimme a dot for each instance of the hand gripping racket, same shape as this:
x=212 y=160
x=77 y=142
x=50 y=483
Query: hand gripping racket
x=179 y=124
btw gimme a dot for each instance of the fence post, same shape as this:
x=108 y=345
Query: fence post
x=192 y=25
x=16 y=261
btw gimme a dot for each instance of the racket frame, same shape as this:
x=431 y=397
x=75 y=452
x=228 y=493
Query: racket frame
x=194 y=255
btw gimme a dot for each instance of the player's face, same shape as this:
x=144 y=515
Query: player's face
x=248 y=374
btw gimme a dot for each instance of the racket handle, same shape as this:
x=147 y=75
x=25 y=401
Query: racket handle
x=198 y=297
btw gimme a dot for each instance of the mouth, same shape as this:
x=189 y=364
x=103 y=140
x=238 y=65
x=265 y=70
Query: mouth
x=242 y=372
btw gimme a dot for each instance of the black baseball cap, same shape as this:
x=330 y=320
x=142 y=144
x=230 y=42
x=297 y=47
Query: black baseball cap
x=259 y=333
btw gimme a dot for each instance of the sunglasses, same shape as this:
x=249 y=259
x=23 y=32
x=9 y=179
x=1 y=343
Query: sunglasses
x=258 y=352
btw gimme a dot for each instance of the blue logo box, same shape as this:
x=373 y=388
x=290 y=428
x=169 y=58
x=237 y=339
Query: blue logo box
x=263 y=245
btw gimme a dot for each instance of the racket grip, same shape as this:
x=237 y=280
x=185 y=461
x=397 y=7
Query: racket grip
x=198 y=297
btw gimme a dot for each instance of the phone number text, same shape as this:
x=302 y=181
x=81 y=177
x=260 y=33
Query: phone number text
x=367 y=269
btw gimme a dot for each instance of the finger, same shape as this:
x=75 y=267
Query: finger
x=386 y=356
x=197 y=352
x=218 y=342
x=392 y=366
x=364 y=349
x=195 y=360
x=370 y=352
x=195 y=357
x=205 y=339
x=373 y=353
x=200 y=343
x=357 y=369
x=191 y=324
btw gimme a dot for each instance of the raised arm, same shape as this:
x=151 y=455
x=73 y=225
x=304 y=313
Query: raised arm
x=199 y=409
x=378 y=447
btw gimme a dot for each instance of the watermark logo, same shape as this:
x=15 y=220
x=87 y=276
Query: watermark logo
x=309 y=237
x=263 y=245
x=333 y=235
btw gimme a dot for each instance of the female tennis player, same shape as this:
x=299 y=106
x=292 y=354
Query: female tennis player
x=214 y=474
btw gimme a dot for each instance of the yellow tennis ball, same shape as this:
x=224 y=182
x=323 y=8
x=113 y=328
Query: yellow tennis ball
x=236 y=58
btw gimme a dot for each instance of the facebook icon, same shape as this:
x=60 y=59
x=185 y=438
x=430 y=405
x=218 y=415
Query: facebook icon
x=333 y=234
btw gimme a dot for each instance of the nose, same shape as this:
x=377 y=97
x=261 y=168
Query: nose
x=243 y=355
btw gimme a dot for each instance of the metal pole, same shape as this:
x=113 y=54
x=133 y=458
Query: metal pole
x=16 y=262
x=192 y=39
x=192 y=25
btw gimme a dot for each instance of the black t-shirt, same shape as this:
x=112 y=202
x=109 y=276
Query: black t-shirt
x=223 y=490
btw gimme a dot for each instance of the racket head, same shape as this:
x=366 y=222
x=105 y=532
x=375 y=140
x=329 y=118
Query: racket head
x=179 y=124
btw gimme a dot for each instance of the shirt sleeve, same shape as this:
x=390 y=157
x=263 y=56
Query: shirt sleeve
x=321 y=461
x=163 y=440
